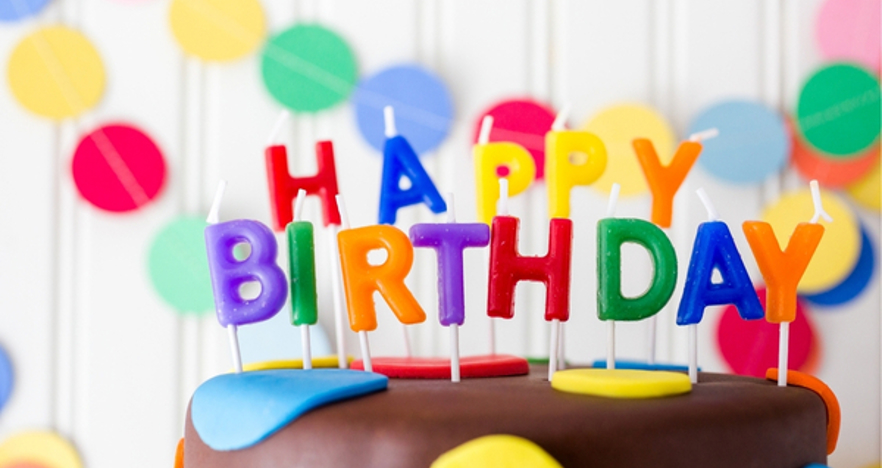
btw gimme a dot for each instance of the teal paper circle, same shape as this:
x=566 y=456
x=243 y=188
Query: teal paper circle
x=178 y=266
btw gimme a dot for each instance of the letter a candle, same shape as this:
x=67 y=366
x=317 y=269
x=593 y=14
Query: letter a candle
x=782 y=270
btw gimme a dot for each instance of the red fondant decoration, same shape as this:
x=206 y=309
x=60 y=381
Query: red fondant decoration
x=283 y=188
x=507 y=267
x=470 y=367
x=834 y=414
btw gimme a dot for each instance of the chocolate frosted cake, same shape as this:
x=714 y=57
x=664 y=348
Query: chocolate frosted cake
x=725 y=421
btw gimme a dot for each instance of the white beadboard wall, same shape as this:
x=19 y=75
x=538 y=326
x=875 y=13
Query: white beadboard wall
x=103 y=361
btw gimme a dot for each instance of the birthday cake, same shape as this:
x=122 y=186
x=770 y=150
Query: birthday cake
x=724 y=421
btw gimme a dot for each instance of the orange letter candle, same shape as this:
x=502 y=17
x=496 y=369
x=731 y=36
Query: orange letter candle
x=664 y=181
x=361 y=279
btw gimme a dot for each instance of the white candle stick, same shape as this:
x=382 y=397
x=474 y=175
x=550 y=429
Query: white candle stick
x=698 y=137
x=560 y=120
x=611 y=324
x=454 y=328
x=306 y=351
x=552 y=352
x=389 y=121
x=277 y=127
x=486 y=128
x=502 y=202
x=692 y=329
x=339 y=301
x=561 y=357
x=214 y=218
x=362 y=335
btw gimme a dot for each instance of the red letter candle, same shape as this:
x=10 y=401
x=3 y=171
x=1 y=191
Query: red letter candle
x=283 y=188
x=782 y=270
x=611 y=303
x=361 y=279
x=507 y=267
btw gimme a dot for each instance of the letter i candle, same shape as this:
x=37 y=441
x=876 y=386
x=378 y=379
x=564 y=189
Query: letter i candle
x=782 y=270
x=301 y=266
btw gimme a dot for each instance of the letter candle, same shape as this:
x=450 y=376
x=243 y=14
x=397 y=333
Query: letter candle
x=228 y=274
x=783 y=270
x=449 y=240
x=664 y=182
x=488 y=159
x=301 y=262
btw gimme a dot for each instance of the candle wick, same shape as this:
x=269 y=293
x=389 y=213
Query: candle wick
x=819 y=207
x=561 y=119
x=613 y=200
x=213 y=213
x=389 y=119
x=711 y=211
x=298 y=204
x=280 y=120
x=698 y=137
x=486 y=127
x=344 y=215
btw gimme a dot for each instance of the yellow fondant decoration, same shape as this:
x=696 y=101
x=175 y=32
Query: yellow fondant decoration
x=56 y=72
x=497 y=451
x=217 y=30
x=840 y=247
x=317 y=363
x=39 y=448
x=571 y=158
x=621 y=383
x=618 y=127
x=866 y=190
x=488 y=157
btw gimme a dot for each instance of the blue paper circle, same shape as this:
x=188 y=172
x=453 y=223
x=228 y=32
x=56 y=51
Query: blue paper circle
x=14 y=10
x=6 y=378
x=753 y=142
x=855 y=283
x=422 y=103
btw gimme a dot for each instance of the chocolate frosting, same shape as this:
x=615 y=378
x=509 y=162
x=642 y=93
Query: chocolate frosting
x=726 y=421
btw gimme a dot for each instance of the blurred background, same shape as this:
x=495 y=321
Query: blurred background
x=119 y=118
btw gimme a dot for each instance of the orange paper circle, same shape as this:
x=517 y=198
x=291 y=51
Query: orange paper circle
x=840 y=247
x=829 y=171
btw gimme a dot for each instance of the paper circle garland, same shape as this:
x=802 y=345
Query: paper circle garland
x=38 y=449
x=14 y=10
x=308 y=68
x=217 y=30
x=7 y=378
x=118 y=168
x=521 y=121
x=829 y=171
x=752 y=145
x=866 y=191
x=850 y=30
x=422 y=104
x=838 y=110
x=750 y=347
x=618 y=126
x=178 y=266
x=56 y=72
x=855 y=283
x=838 y=251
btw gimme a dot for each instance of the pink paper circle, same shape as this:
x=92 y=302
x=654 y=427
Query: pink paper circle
x=521 y=121
x=118 y=168
x=850 y=30
x=750 y=347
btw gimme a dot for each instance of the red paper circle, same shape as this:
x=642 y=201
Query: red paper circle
x=828 y=171
x=521 y=121
x=118 y=168
x=750 y=347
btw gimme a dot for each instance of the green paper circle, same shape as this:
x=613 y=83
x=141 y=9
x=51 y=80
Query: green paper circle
x=308 y=68
x=838 y=110
x=178 y=266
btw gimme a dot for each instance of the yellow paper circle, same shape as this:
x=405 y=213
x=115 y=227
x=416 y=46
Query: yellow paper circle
x=39 y=448
x=621 y=383
x=618 y=126
x=56 y=72
x=217 y=30
x=838 y=251
x=866 y=191
x=496 y=451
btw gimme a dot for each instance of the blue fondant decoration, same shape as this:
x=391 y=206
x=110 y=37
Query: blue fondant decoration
x=14 y=10
x=815 y=465
x=714 y=249
x=399 y=160
x=641 y=365
x=422 y=103
x=752 y=145
x=235 y=411
x=7 y=378
x=855 y=283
